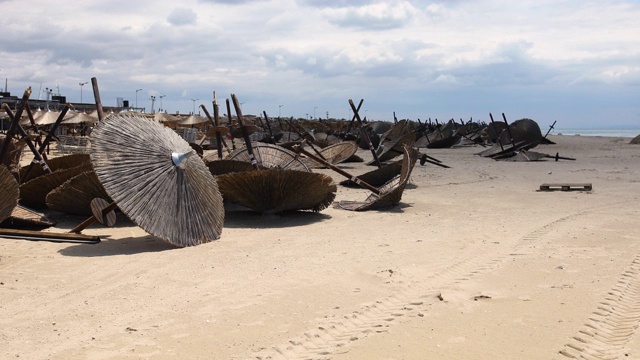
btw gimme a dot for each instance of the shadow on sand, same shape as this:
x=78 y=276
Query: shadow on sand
x=125 y=246
x=252 y=220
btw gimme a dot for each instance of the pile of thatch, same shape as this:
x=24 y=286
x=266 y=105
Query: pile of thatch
x=9 y=193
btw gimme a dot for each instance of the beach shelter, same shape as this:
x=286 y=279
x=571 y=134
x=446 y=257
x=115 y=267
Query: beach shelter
x=9 y=193
x=155 y=178
x=270 y=156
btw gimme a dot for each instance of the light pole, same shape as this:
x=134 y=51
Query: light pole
x=153 y=101
x=279 y=109
x=81 y=85
x=137 y=97
x=194 y=106
x=314 y=112
x=161 y=96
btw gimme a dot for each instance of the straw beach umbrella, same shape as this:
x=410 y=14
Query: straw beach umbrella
x=270 y=156
x=75 y=195
x=389 y=194
x=34 y=192
x=155 y=179
x=273 y=191
x=335 y=154
x=9 y=193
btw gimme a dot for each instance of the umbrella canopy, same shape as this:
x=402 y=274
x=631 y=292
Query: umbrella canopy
x=155 y=178
x=49 y=117
x=9 y=193
x=272 y=191
x=75 y=195
x=34 y=192
x=163 y=117
x=270 y=156
x=335 y=154
x=12 y=160
x=78 y=118
x=193 y=121
x=55 y=164
x=391 y=192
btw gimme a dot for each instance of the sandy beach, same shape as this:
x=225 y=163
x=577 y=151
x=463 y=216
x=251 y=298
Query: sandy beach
x=475 y=263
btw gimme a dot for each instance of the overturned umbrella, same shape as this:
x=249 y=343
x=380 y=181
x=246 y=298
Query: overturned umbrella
x=9 y=193
x=150 y=173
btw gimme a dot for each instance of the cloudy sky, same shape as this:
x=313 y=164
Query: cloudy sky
x=574 y=62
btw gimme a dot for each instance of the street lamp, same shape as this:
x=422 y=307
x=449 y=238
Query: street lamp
x=161 y=96
x=279 y=108
x=194 y=106
x=137 y=97
x=153 y=101
x=314 y=112
x=81 y=85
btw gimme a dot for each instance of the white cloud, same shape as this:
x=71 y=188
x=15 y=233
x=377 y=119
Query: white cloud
x=320 y=53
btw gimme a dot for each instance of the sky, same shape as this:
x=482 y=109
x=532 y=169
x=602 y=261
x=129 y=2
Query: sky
x=574 y=62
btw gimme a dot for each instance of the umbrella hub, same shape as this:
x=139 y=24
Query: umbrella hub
x=179 y=158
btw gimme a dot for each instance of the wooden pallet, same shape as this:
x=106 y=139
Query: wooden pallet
x=567 y=187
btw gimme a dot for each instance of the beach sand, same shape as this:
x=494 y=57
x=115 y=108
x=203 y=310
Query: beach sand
x=475 y=263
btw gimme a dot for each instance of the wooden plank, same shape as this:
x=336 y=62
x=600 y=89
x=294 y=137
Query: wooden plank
x=566 y=186
x=48 y=236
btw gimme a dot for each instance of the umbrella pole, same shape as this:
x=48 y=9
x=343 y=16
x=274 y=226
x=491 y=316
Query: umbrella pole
x=550 y=128
x=498 y=135
x=233 y=143
x=48 y=236
x=37 y=157
x=83 y=225
x=305 y=139
x=245 y=132
x=46 y=141
x=266 y=118
x=508 y=130
x=14 y=124
x=364 y=133
x=215 y=124
x=96 y=96
x=355 y=179
x=354 y=116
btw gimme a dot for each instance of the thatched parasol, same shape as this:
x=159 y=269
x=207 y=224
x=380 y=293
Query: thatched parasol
x=150 y=173
x=273 y=191
x=635 y=140
x=24 y=217
x=377 y=177
x=79 y=118
x=14 y=151
x=75 y=195
x=194 y=121
x=33 y=193
x=390 y=194
x=270 y=156
x=225 y=166
x=55 y=164
x=164 y=118
x=335 y=154
x=9 y=193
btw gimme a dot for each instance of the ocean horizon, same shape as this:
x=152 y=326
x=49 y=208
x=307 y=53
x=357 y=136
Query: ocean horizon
x=630 y=133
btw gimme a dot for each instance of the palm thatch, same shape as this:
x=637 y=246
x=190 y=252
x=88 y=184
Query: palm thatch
x=377 y=177
x=335 y=154
x=225 y=166
x=148 y=170
x=391 y=192
x=33 y=193
x=393 y=146
x=272 y=191
x=635 y=140
x=270 y=156
x=24 y=217
x=12 y=161
x=75 y=195
x=55 y=164
x=9 y=193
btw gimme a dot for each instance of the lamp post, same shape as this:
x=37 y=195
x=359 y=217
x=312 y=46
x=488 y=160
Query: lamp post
x=314 y=112
x=81 y=85
x=137 y=97
x=194 y=106
x=161 y=96
x=279 y=109
x=153 y=101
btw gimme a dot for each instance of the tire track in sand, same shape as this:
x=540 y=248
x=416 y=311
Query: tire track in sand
x=612 y=325
x=335 y=336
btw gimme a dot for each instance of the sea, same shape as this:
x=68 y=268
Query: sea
x=630 y=133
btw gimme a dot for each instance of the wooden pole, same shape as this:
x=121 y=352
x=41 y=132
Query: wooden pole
x=48 y=236
x=498 y=135
x=83 y=225
x=508 y=130
x=245 y=132
x=24 y=102
x=364 y=132
x=96 y=96
x=355 y=179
